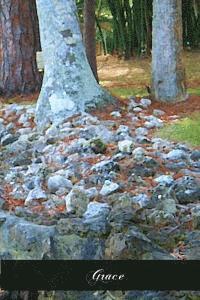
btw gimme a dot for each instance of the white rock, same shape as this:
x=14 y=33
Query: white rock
x=123 y=129
x=164 y=179
x=141 y=131
x=134 y=119
x=175 y=154
x=125 y=146
x=25 y=131
x=95 y=209
x=141 y=199
x=108 y=188
x=116 y=114
x=57 y=181
x=23 y=118
x=92 y=193
x=139 y=153
x=137 y=109
x=35 y=194
x=145 y=102
x=77 y=201
x=153 y=122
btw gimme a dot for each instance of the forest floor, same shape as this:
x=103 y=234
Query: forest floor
x=127 y=78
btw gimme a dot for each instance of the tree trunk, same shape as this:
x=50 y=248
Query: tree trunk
x=168 y=75
x=69 y=85
x=89 y=35
x=19 y=41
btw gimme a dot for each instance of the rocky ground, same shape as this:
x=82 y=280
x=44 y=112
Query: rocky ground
x=98 y=186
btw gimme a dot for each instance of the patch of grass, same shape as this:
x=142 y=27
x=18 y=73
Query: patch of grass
x=186 y=130
x=193 y=91
x=125 y=92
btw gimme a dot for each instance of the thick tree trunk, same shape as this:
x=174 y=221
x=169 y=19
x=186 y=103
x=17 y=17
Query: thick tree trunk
x=69 y=85
x=19 y=41
x=168 y=75
x=89 y=35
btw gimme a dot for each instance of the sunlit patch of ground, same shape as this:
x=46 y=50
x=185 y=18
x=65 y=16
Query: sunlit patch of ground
x=186 y=130
x=126 y=78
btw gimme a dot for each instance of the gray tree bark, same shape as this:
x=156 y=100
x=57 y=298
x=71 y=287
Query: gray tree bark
x=69 y=86
x=168 y=74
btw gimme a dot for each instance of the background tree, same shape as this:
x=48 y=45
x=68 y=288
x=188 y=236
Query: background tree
x=19 y=38
x=89 y=35
x=168 y=75
x=69 y=85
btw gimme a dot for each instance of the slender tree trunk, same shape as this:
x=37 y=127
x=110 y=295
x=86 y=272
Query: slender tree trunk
x=168 y=75
x=89 y=35
x=69 y=85
x=19 y=41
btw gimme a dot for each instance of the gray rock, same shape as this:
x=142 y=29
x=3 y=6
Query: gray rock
x=2 y=203
x=134 y=119
x=195 y=155
x=140 y=139
x=145 y=102
x=142 y=199
x=132 y=104
x=153 y=123
x=23 y=118
x=8 y=139
x=99 y=131
x=160 y=144
x=147 y=168
x=164 y=179
x=56 y=182
x=158 y=112
x=176 y=166
x=176 y=155
x=187 y=190
x=92 y=193
x=77 y=201
x=24 y=131
x=105 y=166
x=192 y=245
x=35 y=194
x=2 y=129
x=24 y=240
x=168 y=206
x=195 y=212
x=160 y=217
x=123 y=129
x=72 y=246
x=125 y=146
x=139 y=153
x=95 y=209
x=141 y=131
x=108 y=188
x=23 y=159
x=133 y=244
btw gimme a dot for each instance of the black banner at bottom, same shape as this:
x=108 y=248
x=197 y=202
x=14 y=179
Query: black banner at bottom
x=87 y=275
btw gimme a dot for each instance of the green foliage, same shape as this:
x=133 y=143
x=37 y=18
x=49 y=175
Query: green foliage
x=124 y=27
x=98 y=146
x=186 y=130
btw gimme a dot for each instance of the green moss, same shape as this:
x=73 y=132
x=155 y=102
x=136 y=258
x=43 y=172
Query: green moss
x=195 y=91
x=98 y=146
x=126 y=92
x=186 y=130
